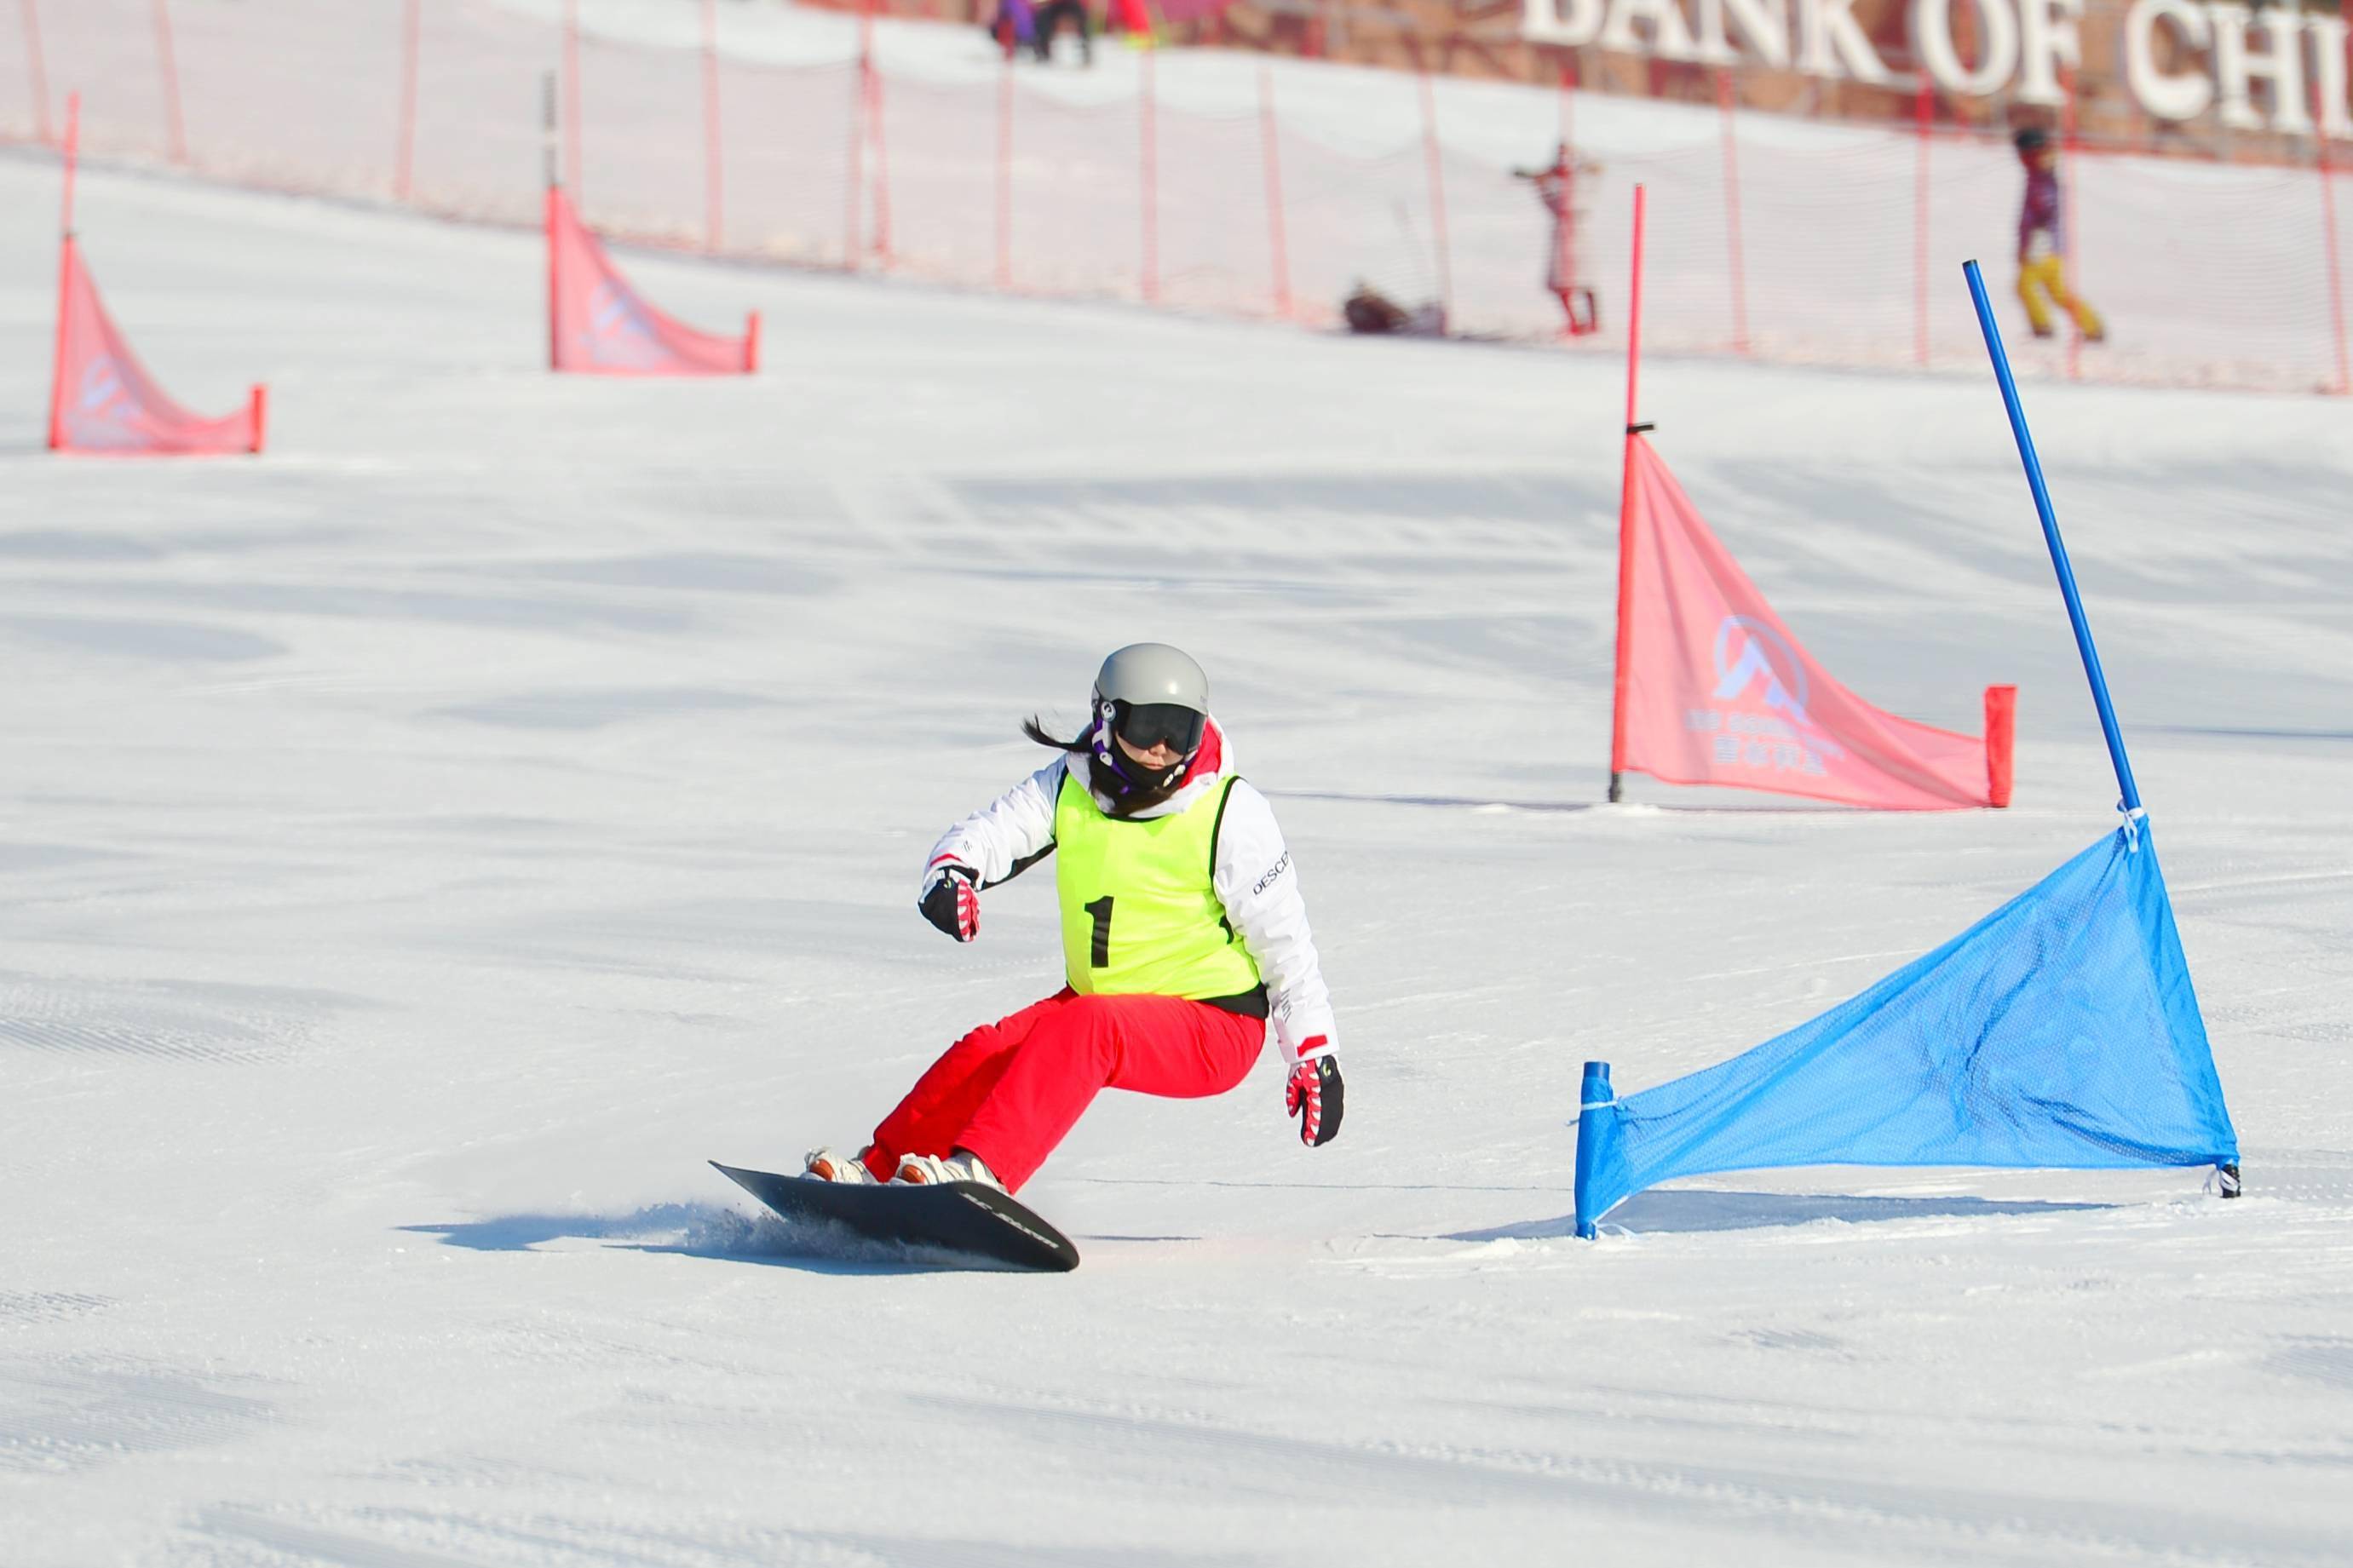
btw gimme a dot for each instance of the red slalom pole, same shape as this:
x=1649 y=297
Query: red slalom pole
x=713 y=209
x=73 y=154
x=405 y=165
x=64 y=275
x=169 y=63
x=1924 y=114
x=38 y=69
x=573 y=174
x=2335 y=274
x=1148 y=182
x=1732 y=216
x=1436 y=200
x=2329 y=241
x=1005 y=175
x=1270 y=138
x=1626 y=518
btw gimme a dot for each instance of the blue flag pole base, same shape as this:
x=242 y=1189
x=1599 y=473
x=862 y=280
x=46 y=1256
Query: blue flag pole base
x=1593 y=1130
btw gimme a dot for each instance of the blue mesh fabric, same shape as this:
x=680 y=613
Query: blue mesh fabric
x=2059 y=1031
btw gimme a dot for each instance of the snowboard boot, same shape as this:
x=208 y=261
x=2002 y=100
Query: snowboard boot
x=923 y=1169
x=832 y=1165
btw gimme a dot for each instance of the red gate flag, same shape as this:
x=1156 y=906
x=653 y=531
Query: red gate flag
x=102 y=400
x=598 y=325
x=1716 y=692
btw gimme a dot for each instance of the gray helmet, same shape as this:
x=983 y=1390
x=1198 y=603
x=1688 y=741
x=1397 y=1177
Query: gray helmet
x=1148 y=694
x=1152 y=672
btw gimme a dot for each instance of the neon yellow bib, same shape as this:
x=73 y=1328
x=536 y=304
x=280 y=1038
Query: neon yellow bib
x=1140 y=909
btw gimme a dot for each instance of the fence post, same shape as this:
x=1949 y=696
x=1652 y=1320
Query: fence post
x=1005 y=175
x=881 y=242
x=1269 y=134
x=1437 y=201
x=857 y=171
x=2068 y=270
x=713 y=189
x=1925 y=113
x=39 y=72
x=169 y=64
x=1732 y=216
x=2336 y=276
x=574 y=176
x=404 y=155
x=1148 y=182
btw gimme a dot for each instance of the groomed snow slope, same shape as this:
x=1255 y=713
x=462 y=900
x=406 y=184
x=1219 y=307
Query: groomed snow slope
x=425 y=845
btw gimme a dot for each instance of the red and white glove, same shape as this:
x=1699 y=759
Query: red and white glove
x=951 y=902
x=1313 y=1093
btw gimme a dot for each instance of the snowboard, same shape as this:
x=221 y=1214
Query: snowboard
x=963 y=1217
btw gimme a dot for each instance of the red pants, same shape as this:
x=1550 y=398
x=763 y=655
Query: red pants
x=1009 y=1091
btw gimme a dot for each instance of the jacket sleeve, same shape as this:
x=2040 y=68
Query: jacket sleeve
x=1259 y=886
x=1005 y=836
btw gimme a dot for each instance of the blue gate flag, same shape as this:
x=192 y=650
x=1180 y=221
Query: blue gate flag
x=2061 y=1032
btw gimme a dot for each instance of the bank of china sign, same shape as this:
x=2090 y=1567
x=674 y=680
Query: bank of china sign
x=2023 y=45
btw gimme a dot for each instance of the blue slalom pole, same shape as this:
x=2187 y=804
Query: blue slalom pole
x=2051 y=537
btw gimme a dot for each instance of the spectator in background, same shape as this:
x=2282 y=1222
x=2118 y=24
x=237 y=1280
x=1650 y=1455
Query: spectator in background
x=1132 y=17
x=2042 y=243
x=1557 y=189
x=1015 y=25
x=1050 y=22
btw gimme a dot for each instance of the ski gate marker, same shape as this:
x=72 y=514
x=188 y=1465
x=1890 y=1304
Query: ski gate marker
x=101 y=399
x=1712 y=689
x=596 y=323
x=2060 y=1032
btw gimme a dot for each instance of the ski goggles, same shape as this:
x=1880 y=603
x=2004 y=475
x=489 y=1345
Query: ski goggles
x=1145 y=725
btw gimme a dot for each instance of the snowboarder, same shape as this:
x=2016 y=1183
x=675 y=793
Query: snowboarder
x=1184 y=942
x=2041 y=247
x=1555 y=188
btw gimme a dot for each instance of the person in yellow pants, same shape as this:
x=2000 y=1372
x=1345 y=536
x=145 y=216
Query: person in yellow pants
x=2042 y=258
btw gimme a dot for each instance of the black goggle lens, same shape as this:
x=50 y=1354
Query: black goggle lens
x=1145 y=725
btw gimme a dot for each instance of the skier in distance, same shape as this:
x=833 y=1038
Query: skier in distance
x=1184 y=942
x=2042 y=243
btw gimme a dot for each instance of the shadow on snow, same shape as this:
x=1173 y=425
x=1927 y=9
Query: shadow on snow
x=704 y=1230
x=1672 y=1213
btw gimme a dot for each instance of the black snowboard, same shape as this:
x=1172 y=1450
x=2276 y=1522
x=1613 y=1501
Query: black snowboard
x=954 y=1217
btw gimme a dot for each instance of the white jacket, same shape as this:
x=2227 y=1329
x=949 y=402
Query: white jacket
x=1252 y=874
